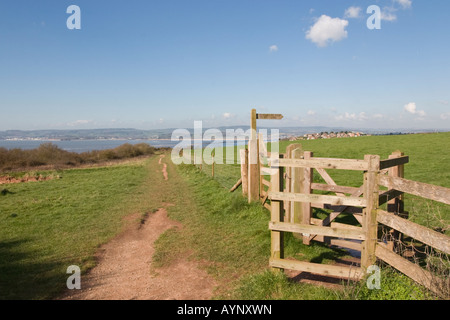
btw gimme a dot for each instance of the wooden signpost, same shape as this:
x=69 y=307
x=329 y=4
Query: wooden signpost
x=253 y=155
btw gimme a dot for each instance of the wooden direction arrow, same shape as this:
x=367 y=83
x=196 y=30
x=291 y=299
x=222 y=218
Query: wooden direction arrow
x=268 y=116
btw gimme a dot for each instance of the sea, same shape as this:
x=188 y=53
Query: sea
x=80 y=146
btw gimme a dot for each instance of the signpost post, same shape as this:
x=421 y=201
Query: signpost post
x=253 y=155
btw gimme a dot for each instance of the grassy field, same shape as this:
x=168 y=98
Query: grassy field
x=47 y=226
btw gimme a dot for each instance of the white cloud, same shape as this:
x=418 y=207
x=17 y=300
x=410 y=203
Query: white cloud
x=378 y=116
x=404 y=3
x=311 y=112
x=353 y=12
x=327 y=30
x=412 y=108
x=352 y=117
x=445 y=116
x=388 y=14
x=273 y=48
x=227 y=115
x=79 y=123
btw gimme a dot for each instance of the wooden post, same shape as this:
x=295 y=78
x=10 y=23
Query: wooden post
x=305 y=187
x=244 y=170
x=253 y=173
x=396 y=205
x=276 y=214
x=236 y=185
x=253 y=134
x=260 y=162
x=288 y=186
x=295 y=182
x=369 y=225
x=213 y=161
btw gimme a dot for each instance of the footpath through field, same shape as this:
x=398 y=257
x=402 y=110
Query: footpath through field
x=124 y=268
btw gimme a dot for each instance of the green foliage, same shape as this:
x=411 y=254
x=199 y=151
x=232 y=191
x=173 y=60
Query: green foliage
x=48 y=154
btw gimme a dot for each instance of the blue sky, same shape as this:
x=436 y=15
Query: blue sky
x=164 y=64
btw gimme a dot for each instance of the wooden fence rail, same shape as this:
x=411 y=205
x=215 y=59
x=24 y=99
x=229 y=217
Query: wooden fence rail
x=428 y=236
x=420 y=189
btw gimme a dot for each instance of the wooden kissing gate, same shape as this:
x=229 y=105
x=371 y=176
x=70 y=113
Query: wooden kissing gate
x=291 y=194
x=292 y=199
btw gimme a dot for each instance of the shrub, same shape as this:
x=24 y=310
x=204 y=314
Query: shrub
x=50 y=154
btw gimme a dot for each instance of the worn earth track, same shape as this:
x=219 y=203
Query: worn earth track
x=124 y=269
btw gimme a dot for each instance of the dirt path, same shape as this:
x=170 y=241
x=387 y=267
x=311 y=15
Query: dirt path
x=164 y=169
x=124 y=270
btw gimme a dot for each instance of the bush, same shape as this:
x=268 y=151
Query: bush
x=50 y=154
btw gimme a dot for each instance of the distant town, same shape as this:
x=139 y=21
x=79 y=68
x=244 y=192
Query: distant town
x=327 y=135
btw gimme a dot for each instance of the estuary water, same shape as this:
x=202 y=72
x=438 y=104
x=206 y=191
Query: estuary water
x=80 y=146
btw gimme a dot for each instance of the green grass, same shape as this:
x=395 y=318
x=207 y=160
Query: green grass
x=47 y=226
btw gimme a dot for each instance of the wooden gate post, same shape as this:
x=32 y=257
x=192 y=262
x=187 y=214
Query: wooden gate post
x=292 y=176
x=369 y=225
x=305 y=188
x=276 y=215
x=213 y=155
x=396 y=205
x=244 y=170
x=253 y=172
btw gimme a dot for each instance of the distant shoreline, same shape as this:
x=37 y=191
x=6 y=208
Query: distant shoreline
x=86 y=145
